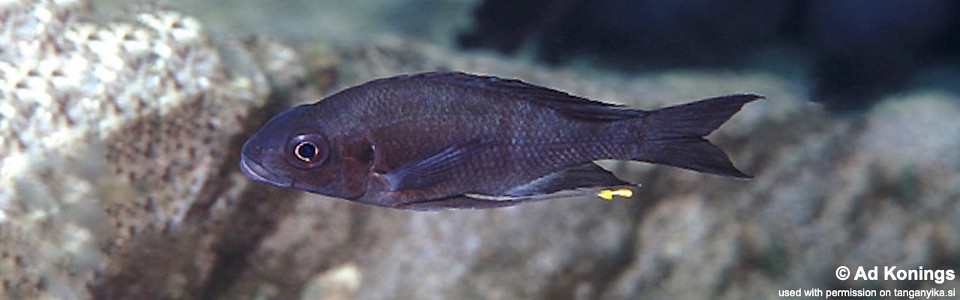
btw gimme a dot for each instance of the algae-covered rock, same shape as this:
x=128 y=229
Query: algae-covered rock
x=109 y=127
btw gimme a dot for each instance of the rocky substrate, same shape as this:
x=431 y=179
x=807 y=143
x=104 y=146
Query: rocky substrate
x=119 y=179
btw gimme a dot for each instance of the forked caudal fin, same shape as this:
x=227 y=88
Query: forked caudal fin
x=675 y=135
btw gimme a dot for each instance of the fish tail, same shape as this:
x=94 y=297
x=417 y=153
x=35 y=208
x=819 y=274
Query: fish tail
x=674 y=135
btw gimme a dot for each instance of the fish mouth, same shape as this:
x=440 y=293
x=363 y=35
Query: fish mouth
x=258 y=173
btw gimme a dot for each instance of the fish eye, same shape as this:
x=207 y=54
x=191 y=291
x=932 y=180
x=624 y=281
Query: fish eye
x=307 y=150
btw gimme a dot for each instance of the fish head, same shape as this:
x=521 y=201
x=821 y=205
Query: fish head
x=293 y=150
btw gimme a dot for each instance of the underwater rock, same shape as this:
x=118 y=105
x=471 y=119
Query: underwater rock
x=867 y=49
x=861 y=51
x=633 y=35
x=629 y=34
x=171 y=216
x=110 y=127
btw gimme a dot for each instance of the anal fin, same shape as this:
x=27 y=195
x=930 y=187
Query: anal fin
x=478 y=201
x=458 y=202
x=573 y=177
x=584 y=180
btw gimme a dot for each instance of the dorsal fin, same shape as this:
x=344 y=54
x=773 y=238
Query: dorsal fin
x=569 y=105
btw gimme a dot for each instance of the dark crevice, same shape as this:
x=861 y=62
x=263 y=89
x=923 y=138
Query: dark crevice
x=256 y=215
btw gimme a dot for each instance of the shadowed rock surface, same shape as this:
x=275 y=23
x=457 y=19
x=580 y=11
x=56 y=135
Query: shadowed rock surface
x=156 y=207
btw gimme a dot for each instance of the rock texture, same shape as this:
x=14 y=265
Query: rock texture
x=110 y=127
x=170 y=216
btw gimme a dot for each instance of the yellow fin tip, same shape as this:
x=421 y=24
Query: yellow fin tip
x=608 y=194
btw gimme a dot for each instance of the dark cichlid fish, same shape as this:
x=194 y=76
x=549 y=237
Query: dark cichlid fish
x=453 y=140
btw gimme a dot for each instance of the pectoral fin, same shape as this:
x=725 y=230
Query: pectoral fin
x=435 y=168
